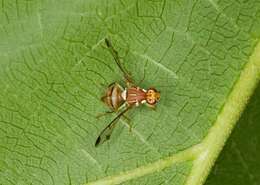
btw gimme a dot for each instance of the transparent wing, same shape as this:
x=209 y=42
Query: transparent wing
x=106 y=132
x=118 y=62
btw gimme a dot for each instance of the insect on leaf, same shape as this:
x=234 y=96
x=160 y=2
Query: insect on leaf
x=202 y=55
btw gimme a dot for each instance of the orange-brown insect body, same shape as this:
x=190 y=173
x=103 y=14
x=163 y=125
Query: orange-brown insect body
x=116 y=96
x=120 y=99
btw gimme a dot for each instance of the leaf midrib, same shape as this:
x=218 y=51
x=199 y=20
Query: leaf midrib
x=205 y=153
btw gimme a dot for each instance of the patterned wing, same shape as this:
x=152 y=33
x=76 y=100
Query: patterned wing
x=127 y=76
x=106 y=132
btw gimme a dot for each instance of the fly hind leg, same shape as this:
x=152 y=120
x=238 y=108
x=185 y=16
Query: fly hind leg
x=104 y=114
x=128 y=122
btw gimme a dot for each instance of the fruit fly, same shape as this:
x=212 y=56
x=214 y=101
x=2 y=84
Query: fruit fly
x=120 y=99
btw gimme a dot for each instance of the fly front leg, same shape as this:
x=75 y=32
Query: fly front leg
x=128 y=79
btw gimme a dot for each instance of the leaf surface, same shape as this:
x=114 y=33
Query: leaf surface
x=202 y=55
x=240 y=156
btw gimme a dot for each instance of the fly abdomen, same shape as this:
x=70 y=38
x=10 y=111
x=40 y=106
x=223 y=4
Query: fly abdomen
x=113 y=97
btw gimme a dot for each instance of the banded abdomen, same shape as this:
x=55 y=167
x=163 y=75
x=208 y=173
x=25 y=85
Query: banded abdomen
x=113 y=97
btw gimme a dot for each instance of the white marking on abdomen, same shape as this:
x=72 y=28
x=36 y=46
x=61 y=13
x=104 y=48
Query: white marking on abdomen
x=124 y=94
x=114 y=97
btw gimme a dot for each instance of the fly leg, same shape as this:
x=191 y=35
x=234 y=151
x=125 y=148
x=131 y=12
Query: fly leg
x=104 y=114
x=129 y=123
x=141 y=81
x=127 y=76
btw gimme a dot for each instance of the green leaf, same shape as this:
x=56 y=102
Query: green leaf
x=202 y=55
x=239 y=160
